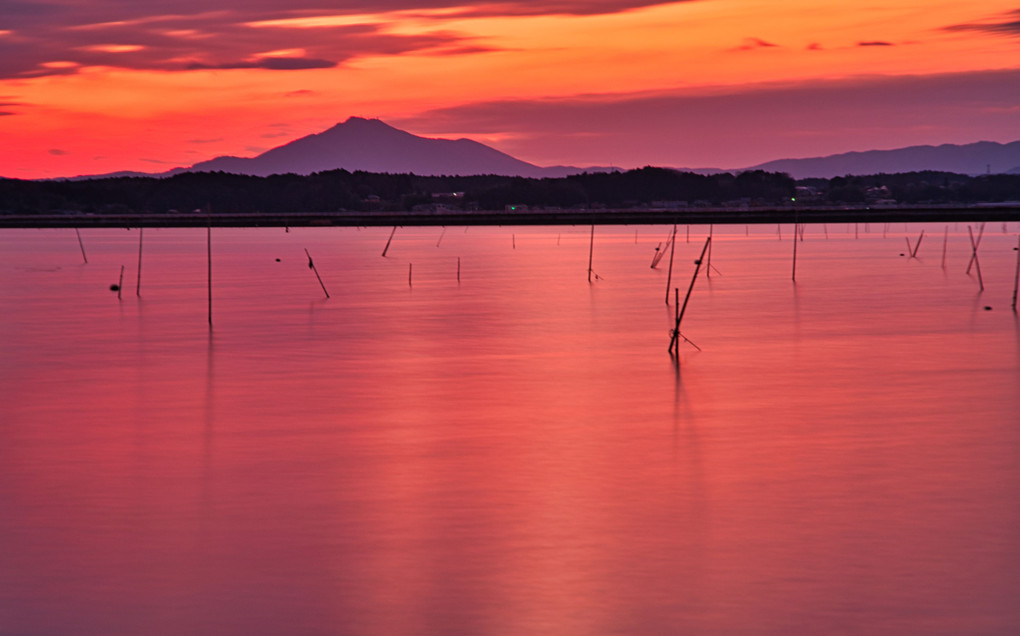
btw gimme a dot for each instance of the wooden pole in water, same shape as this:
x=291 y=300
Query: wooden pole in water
x=1016 y=277
x=409 y=266
x=974 y=259
x=673 y=341
x=708 y=265
x=591 y=250
x=917 y=245
x=138 y=285
x=385 y=249
x=120 y=283
x=458 y=269
x=975 y=245
x=669 y=273
x=312 y=267
x=945 y=242
x=794 y=275
x=910 y=248
x=441 y=235
x=208 y=247
x=82 y=246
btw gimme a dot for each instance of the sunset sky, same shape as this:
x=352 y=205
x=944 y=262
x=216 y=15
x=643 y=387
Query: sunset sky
x=107 y=85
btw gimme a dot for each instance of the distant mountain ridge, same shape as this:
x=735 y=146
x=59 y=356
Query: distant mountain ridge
x=971 y=159
x=371 y=145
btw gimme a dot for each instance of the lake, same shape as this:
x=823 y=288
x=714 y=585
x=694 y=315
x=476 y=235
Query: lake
x=469 y=437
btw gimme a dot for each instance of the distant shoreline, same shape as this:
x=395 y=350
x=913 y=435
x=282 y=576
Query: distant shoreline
x=690 y=216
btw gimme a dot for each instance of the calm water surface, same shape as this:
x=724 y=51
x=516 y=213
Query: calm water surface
x=513 y=452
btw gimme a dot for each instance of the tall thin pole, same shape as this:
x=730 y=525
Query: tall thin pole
x=680 y=316
x=591 y=253
x=82 y=246
x=1016 y=277
x=708 y=265
x=669 y=274
x=138 y=286
x=945 y=242
x=120 y=283
x=794 y=275
x=208 y=249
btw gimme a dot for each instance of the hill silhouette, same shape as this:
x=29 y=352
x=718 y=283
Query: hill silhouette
x=972 y=159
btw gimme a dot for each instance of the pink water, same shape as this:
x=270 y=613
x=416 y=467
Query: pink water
x=513 y=453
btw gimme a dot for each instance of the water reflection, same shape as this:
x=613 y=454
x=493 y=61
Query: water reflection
x=512 y=452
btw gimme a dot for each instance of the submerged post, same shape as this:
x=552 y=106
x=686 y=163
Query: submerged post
x=675 y=335
x=82 y=246
x=312 y=267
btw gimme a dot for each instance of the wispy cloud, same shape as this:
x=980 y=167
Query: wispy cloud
x=57 y=152
x=875 y=43
x=53 y=37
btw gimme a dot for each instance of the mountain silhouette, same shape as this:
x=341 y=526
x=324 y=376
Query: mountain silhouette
x=972 y=159
x=373 y=146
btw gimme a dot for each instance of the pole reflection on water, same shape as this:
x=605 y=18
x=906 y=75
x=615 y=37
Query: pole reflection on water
x=511 y=452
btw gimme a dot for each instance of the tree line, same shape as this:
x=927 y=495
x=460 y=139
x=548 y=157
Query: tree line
x=339 y=190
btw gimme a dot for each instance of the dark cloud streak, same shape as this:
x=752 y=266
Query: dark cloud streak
x=1010 y=27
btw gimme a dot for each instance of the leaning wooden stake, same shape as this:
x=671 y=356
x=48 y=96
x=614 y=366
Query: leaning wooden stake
x=82 y=246
x=675 y=335
x=385 y=249
x=120 y=284
x=916 y=245
x=312 y=267
x=669 y=273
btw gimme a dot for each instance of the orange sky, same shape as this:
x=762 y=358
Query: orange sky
x=726 y=83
